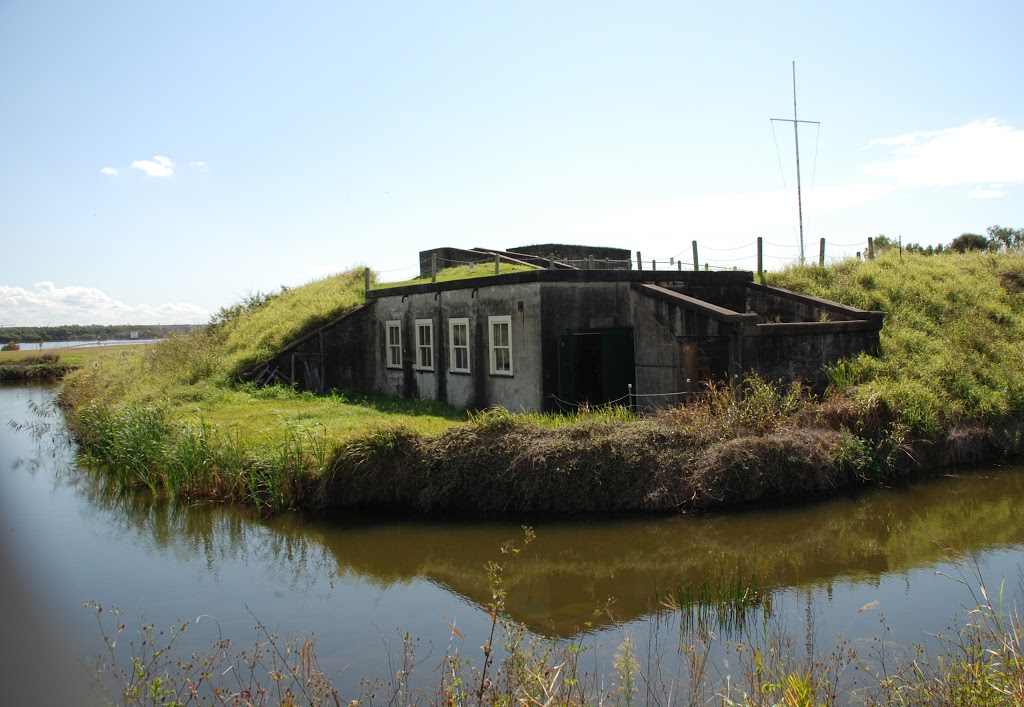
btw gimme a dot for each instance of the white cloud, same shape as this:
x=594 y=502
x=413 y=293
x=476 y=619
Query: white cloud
x=198 y=165
x=981 y=152
x=46 y=303
x=110 y=171
x=159 y=166
x=990 y=191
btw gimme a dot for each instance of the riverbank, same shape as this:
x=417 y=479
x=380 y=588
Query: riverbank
x=944 y=391
x=39 y=365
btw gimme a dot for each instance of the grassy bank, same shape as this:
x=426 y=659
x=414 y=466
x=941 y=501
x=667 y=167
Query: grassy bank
x=948 y=389
x=47 y=364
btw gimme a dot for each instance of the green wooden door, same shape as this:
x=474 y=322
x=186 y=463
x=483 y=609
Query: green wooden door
x=595 y=366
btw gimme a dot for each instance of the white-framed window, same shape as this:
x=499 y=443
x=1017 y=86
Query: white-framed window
x=425 y=344
x=393 y=327
x=499 y=331
x=458 y=345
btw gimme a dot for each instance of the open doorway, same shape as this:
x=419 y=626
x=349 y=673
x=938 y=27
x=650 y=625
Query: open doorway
x=595 y=367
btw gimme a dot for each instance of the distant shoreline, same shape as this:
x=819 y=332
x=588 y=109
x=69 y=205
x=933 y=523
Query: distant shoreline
x=91 y=334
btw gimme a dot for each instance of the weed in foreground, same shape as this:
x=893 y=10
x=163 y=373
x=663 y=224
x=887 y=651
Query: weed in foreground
x=980 y=662
x=147 y=669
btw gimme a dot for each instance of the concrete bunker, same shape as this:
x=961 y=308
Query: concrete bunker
x=556 y=338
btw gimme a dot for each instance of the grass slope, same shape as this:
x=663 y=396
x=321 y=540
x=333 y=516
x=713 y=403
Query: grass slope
x=953 y=340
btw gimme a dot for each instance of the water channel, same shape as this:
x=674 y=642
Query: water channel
x=357 y=582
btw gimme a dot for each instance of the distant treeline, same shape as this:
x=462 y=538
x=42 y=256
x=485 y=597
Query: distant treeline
x=92 y=332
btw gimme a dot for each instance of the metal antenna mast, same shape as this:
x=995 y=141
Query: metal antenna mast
x=796 y=138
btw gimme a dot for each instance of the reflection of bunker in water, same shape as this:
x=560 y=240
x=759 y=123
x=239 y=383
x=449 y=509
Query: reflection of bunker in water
x=555 y=585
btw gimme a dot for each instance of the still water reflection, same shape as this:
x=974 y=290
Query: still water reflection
x=357 y=580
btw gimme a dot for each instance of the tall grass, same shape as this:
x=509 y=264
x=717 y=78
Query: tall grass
x=953 y=340
x=143 y=447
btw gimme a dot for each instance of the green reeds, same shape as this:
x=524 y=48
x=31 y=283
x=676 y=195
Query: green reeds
x=724 y=606
x=141 y=447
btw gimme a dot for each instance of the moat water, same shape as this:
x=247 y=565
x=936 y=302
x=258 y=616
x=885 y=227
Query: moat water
x=358 y=582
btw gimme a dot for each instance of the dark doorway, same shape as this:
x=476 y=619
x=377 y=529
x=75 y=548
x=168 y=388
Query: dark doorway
x=595 y=367
x=588 y=368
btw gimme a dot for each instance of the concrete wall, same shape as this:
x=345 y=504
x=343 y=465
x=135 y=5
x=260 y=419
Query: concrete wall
x=777 y=305
x=664 y=329
x=451 y=258
x=479 y=388
x=724 y=289
x=800 y=352
x=568 y=308
x=574 y=252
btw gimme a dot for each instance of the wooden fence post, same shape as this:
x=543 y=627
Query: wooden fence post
x=696 y=266
x=497 y=264
x=366 y=280
x=821 y=253
x=433 y=267
x=760 y=259
x=639 y=261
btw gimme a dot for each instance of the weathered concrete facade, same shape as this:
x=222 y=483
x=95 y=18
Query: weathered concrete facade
x=554 y=339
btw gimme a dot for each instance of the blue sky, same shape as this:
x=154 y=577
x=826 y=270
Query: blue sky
x=160 y=160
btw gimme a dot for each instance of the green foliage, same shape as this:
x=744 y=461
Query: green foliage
x=953 y=337
x=969 y=241
x=11 y=346
x=882 y=243
x=1006 y=239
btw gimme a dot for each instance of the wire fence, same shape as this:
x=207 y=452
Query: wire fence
x=747 y=256
x=635 y=401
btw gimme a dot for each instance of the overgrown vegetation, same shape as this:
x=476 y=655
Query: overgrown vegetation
x=947 y=389
x=953 y=339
